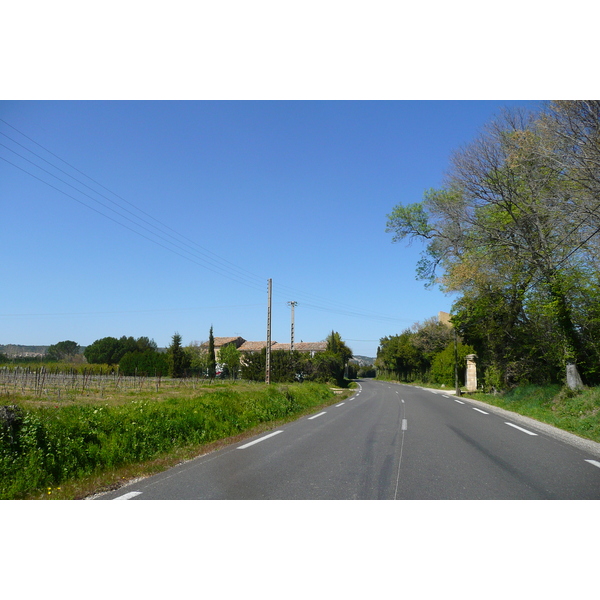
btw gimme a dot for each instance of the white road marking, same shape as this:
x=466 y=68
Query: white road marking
x=128 y=496
x=340 y=404
x=459 y=401
x=402 y=401
x=262 y=439
x=444 y=396
x=315 y=416
x=593 y=462
x=404 y=424
x=520 y=428
x=479 y=410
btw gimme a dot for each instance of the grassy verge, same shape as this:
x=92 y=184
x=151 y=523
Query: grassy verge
x=575 y=411
x=73 y=449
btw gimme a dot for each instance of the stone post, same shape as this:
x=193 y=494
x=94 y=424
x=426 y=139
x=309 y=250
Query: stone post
x=471 y=379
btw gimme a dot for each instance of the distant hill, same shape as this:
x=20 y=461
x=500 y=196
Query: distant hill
x=14 y=350
x=363 y=361
x=20 y=351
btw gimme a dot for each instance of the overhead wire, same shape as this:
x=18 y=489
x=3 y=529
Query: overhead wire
x=218 y=264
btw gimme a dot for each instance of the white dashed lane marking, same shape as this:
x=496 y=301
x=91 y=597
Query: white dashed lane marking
x=259 y=440
x=521 y=429
x=315 y=416
x=128 y=496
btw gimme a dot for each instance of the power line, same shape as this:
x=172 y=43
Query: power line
x=216 y=265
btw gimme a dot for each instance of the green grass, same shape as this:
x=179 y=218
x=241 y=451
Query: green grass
x=575 y=411
x=57 y=445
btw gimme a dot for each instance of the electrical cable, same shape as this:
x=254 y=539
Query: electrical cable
x=229 y=270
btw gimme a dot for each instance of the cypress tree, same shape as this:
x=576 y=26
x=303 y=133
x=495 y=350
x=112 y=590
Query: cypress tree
x=178 y=362
x=212 y=361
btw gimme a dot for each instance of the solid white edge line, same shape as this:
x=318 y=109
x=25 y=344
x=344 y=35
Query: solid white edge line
x=479 y=410
x=128 y=496
x=520 y=428
x=259 y=440
x=315 y=416
x=593 y=462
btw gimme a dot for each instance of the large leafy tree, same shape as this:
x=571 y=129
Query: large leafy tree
x=229 y=356
x=62 y=350
x=110 y=350
x=508 y=223
x=107 y=350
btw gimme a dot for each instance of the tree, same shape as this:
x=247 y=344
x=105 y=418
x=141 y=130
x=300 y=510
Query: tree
x=398 y=355
x=506 y=223
x=212 y=361
x=340 y=355
x=110 y=350
x=147 y=363
x=107 y=350
x=431 y=337
x=229 y=356
x=443 y=364
x=62 y=351
x=198 y=358
x=177 y=358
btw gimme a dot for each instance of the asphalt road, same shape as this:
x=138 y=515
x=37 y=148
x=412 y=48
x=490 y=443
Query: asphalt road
x=390 y=442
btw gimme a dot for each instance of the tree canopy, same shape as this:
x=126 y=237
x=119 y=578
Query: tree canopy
x=514 y=230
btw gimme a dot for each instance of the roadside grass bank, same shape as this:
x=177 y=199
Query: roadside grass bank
x=575 y=411
x=74 y=448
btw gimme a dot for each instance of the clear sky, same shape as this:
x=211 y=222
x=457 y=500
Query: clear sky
x=147 y=218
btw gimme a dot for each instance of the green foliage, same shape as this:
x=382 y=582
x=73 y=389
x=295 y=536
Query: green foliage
x=332 y=363
x=110 y=350
x=398 y=356
x=63 y=351
x=178 y=360
x=571 y=410
x=212 y=360
x=229 y=357
x=52 y=445
x=147 y=363
x=514 y=231
x=443 y=363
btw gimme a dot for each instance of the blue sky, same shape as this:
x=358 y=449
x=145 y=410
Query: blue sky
x=212 y=199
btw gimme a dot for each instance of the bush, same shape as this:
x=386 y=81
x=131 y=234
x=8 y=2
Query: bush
x=52 y=445
x=149 y=363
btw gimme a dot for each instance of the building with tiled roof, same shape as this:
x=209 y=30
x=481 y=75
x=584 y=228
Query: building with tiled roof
x=251 y=347
x=308 y=347
x=221 y=342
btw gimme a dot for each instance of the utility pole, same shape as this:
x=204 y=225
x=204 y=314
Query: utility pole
x=268 y=366
x=293 y=304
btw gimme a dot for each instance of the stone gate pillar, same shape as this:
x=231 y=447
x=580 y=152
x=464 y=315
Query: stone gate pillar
x=471 y=379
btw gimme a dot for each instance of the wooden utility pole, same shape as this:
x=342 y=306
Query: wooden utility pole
x=293 y=304
x=268 y=366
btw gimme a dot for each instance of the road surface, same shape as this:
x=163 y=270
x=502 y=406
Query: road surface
x=389 y=442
